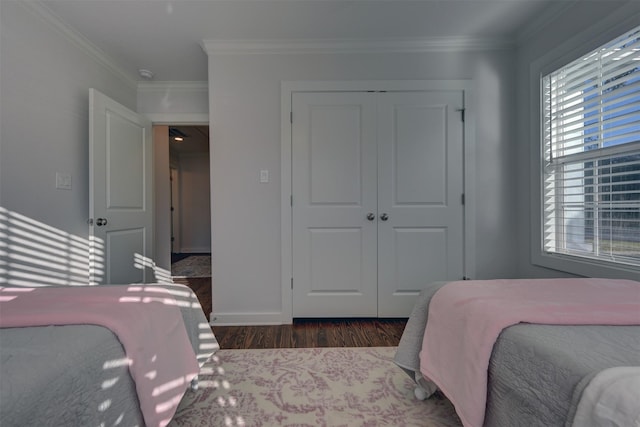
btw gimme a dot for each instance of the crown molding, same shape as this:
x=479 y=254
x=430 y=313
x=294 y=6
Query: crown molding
x=180 y=86
x=39 y=9
x=326 y=46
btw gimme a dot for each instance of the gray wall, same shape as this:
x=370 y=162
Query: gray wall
x=580 y=29
x=44 y=82
x=44 y=90
x=174 y=102
x=245 y=126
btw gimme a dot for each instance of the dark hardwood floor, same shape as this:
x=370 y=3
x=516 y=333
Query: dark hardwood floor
x=314 y=333
x=201 y=286
x=349 y=332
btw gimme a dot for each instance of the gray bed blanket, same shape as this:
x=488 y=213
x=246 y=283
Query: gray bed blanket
x=75 y=376
x=537 y=372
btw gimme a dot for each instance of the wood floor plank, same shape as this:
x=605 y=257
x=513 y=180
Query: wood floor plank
x=284 y=338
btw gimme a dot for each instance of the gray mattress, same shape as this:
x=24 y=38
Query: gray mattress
x=70 y=375
x=536 y=372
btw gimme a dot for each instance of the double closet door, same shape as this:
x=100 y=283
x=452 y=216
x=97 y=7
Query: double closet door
x=377 y=208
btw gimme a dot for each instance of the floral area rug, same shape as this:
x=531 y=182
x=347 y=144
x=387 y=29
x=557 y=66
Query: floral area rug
x=309 y=387
x=192 y=266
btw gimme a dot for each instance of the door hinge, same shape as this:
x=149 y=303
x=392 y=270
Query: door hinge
x=462 y=110
x=292 y=283
x=462 y=198
x=291 y=199
x=290 y=116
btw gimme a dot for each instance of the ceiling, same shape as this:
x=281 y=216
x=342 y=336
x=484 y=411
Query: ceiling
x=195 y=140
x=165 y=36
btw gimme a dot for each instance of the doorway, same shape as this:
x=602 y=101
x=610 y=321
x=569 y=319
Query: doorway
x=190 y=199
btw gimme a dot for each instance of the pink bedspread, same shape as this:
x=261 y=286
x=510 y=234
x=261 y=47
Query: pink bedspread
x=465 y=319
x=146 y=320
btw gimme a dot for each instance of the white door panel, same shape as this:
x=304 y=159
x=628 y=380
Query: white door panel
x=420 y=185
x=397 y=156
x=125 y=145
x=120 y=266
x=336 y=257
x=120 y=196
x=334 y=154
x=334 y=188
x=419 y=154
x=419 y=253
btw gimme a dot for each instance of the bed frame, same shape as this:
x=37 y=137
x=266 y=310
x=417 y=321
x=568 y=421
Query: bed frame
x=77 y=375
x=537 y=373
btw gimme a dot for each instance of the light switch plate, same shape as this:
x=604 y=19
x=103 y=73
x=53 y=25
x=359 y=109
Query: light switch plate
x=63 y=181
x=264 y=176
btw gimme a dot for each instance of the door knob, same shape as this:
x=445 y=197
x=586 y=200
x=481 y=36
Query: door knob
x=371 y=216
x=384 y=217
x=101 y=221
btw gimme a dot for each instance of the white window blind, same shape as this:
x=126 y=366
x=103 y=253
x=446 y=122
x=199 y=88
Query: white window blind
x=591 y=155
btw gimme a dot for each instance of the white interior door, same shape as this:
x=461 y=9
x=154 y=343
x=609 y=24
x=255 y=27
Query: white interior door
x=334 y=191
x=120 y=193
x=377 y=184
x=420 y=187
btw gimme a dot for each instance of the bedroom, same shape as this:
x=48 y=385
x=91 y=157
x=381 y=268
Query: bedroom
x=46 y=70
x=246 y=231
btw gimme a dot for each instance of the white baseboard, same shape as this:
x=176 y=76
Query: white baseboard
x=235 y=319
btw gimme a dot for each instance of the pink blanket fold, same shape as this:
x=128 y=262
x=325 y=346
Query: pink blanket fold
x=465 y=319
x=146 y=320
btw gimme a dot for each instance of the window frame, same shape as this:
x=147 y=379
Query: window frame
x=581 y=44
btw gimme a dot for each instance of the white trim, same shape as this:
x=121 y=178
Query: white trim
x=40 y=9
x=233 y=319
x=178 y=118
x=375 y=85
x=286 y=191
x=603 y=31
x=330 y=46
x=469 y=171
x=180 y=86
x=289 y=87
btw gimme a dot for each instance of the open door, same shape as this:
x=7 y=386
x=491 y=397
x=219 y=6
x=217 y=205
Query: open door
x=120 y=193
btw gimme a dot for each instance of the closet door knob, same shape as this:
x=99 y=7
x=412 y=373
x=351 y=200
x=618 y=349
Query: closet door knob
x=371 y=216
x=384 y=217
x=101 y=221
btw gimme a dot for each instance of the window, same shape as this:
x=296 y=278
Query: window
x=591 y=155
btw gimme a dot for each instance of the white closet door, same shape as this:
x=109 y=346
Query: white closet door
x=420 y=186
x=334 y=190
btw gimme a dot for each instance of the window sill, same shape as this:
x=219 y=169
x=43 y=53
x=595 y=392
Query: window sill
x=585 y=267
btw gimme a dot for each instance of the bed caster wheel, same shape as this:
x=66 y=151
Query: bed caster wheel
x=420 y=393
